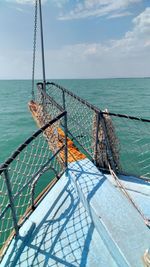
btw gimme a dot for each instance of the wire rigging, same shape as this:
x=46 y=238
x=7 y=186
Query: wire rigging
x=34 y=47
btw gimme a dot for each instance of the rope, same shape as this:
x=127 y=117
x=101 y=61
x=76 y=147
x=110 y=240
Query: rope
x=34 y=47
x=123 y=189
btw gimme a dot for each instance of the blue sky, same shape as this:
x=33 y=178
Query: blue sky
x=83 y=38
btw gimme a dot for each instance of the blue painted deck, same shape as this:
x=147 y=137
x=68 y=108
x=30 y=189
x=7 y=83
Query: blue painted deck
x=138 y=189
x=83 y=221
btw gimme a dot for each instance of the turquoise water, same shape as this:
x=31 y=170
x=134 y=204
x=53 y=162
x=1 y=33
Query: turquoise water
x=129 y=96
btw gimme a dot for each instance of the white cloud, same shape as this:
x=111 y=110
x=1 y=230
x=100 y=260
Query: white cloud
x=140 y=35
x=128 y=56
x=19 y=9
x=24 y=2
x=60 y=3
x=119 y=15
x=89 y=8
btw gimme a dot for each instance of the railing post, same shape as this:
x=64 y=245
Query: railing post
x=66 y=131
x=66 y=145
x=42 y=97
x=63 y=99
x=96 y=137
x=32 y=196
x=33 y=190
x=11 y=200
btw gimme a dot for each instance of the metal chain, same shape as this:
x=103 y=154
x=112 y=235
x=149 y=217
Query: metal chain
x=34 y=47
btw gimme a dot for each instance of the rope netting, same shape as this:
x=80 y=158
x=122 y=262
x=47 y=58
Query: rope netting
x=25 y=175
x=134 y=145
x=113 y=141
x=79 y=118
x=107 y=138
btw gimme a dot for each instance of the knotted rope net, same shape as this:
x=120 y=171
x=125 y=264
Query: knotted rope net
x=25 y=177
x=120 y=139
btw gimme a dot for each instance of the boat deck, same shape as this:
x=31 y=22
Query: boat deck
x=139 y=191
x=83 y=221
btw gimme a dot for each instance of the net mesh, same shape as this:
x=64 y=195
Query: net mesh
x=87 y=126
x=30 y=169
x=107 y=142
x=134 y=145
x=106 y=138
x=79 y=118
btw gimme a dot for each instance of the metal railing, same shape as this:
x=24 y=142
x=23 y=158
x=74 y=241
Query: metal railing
x=87 y=125
x=133 y=135
x=80 y=115
x=106 y=138
x=119 y=141
x=32 y=168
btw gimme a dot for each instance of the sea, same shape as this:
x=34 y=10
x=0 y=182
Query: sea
x=124 y=95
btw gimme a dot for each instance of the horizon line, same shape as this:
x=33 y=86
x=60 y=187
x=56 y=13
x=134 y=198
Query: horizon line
x=73 y=78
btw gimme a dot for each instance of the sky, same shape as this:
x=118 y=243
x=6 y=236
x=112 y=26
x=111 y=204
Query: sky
x=82 y=39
